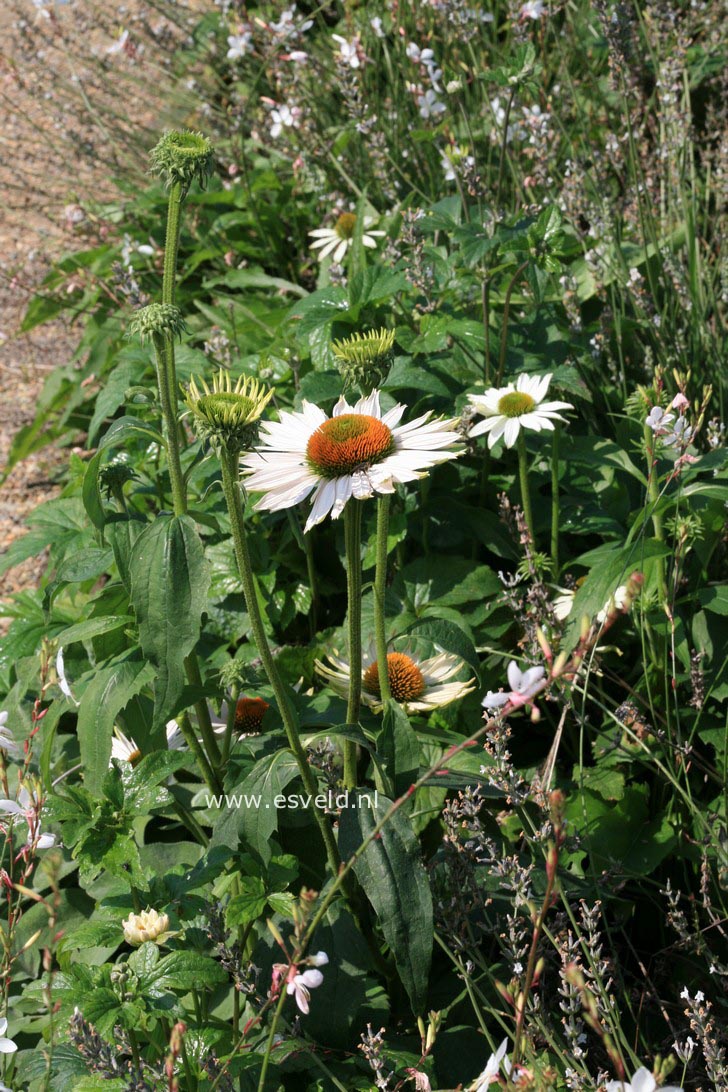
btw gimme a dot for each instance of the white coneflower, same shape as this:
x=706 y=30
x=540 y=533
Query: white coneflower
x=419 y=685
x=509 y=409
x=336 y=240
x=357 y=452
x=125 y=748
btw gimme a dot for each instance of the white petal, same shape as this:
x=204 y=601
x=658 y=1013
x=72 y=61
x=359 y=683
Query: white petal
x=515 y=677
x=510 y=433
x=311 y=978
x=494 y=701
x=643 y=1081
x=323 y=501
x=341 y=250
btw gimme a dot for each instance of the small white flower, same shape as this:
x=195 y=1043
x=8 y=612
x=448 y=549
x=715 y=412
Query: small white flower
x=357 y=452
x=617 y=602
x=126 y=749
x=455 y=158
x=492 y=1069
x=518 y=968
x=62 y=680
x=681 y=434
x=336 y=240
x=532 y=9
x=685 y=1050
x=509 y=409
x=376 y=25
x=348 y=51
x=120 y=44
x=239 y=44
x=318 y=959
x=429 y=104
x=7 y=741
x=685 y=993
x=658 y=420
x=643 y=1081
x=420 y=56
x=7 y=1046
x=523 y=684
x=301 y=985
x=23 y=807
x=298 y=56
x=284 y=117
x=44 y=841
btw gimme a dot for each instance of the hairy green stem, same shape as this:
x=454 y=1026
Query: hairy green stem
x=169 y=425
x=504 y=328
x=190 y=736
x=229 y=725
x=352 y=532
x=231 y=489
x=523 y=476
x=555 y=444
x=380 y=591
x=653 y=493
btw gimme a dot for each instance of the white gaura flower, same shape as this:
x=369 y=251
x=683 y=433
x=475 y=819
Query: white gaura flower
x=429 y=104
x=508 y=409
x=301 y=985
x=357 y=452
x=7 y=742
x=348 y=51
x=618 y=601
x=336 y=240
x=532 y=9
x=419 y=685
x=658 y=420
x=62 y=680
x=643 y=1081
x=126 y=749
x=284 y=117
x=239 y=44
x=523 y=684
x=318 y=959
x=492 y=1069
x=7 y=1046
x=120 y=44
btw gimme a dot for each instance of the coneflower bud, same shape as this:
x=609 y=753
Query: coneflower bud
x=227 y=416
x=157 y=320
x=365 y=359
x=181 y=156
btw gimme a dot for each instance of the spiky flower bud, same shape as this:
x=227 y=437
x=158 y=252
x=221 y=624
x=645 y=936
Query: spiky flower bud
x=183 y=156
x=157 y=319
x=227 y=416
x=365 y=359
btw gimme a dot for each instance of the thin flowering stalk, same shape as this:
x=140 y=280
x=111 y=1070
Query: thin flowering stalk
x=653 y=493
x=380 y=590
x=555 y=444
x=352 y=532
x=504 y=328
x=523 y=477
x=231 y=489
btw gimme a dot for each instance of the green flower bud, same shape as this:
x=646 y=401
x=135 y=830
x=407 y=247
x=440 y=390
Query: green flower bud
x=365 y=359
x=162 y=319
x=227 y=416
x=181 y=157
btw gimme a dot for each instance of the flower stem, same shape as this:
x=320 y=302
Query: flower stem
x=352 y=530
x=169 y=423
x=653 y=493
x=555 y=443
x=231 y=489
x=193 y=743
x=169 y=282
x=380 y=591
x=523 y=475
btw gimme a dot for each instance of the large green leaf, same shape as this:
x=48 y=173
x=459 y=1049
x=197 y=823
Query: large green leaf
x=398 y=747
x=394 y=879
x=169 y=583
x=252 y=814
x=110 y=690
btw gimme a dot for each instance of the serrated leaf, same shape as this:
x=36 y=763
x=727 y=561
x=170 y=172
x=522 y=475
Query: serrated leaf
x=110 y=690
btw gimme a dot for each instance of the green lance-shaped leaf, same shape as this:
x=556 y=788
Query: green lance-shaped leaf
x=110 y=691
x=394 y=879
x=252 y=814
x=170 y=579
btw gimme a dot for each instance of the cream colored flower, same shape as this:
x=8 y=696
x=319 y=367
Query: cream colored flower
x=357 y=452
x=149 y=925
x=419 y=685
x=336 y=240
x=509 y=409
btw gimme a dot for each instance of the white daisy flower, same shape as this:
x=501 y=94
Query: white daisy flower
x=492 y=1069
x=301 y=985
x=336 y=240
x=523 y=684
x=419 y=685
x=509 y=409
x=357 y=452
x=7 y=1046
x=532 y=9
x=643 y=1081
x=126 y=749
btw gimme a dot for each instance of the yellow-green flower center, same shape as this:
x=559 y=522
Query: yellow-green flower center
x=226 y=406
x=344 y=226
x=516 y=404
x=406 y=681
x=344 y=444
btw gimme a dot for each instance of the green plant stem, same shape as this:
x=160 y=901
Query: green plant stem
x=523 y=476
x=229 y=725
x=169 y=426
x=503 y=148
x=380 y=591
x=504 y=328
x=209 y=775
x=555 y=444
x=532 y=956
x=169 y=281
x=204 y=719
x=231 y=489
x=653 y=493
x=271 y=1037
x=352 y=532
